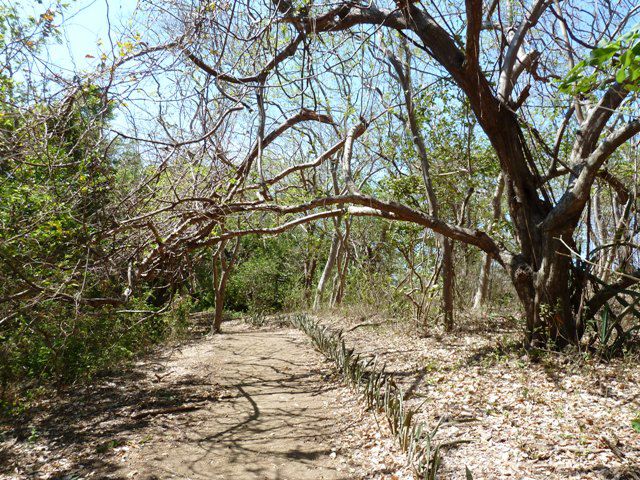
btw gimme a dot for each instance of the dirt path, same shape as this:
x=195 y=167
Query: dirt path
x=277 y=419
x=254 y=404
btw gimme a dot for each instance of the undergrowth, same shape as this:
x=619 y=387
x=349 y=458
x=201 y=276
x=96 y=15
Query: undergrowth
x=56 y=346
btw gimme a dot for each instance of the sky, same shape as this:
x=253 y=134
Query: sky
x=85 y=23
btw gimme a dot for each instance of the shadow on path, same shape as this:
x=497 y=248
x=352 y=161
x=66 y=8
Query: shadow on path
x=260 y=409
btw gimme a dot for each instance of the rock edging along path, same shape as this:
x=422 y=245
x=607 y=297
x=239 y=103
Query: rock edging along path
x=278 y=419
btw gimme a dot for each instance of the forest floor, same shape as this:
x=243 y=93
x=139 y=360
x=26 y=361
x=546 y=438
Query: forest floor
x=557 y=416
x=247 y=404
x=262 y=404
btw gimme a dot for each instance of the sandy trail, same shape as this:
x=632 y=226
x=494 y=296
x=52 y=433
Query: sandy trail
x=278 y=418
x=261 y=404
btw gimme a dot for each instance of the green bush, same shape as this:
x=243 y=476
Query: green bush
x=268 y=278
x=55 y=345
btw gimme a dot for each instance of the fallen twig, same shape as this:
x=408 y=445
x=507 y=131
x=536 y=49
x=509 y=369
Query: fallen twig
x=365 y=324
x=616 y=451
x=162 y=411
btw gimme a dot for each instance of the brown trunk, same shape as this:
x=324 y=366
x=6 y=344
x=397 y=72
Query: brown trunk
x=448 y=282
x=557 y=290
x=341 y=280
x=550 y=295
x=309 y=272
x=522 y=278
x=342 y=267
x=219 y=298
x=222 y=265
x=219 y=310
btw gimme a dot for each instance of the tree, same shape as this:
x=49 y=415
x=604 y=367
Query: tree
x=483 y=280
x=308 y=55
x=222 y=265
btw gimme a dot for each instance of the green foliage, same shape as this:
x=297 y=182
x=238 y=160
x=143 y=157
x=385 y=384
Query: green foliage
x=56 y=185
x=403 y=188
x=54 y=189
x=53 y=343
x=619 y=58
x=268 y=278
x=635 y=423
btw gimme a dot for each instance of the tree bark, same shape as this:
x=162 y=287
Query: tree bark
x=339 y=284
x=555 y=285
x=219 y=310
x=310 y=266
x=482 y=291
x=448 y=283
x=328 y=267
x=223 y=262
x=485 y=271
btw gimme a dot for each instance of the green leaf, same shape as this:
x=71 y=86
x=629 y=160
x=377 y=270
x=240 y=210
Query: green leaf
x=601 y=55
x=620 y=57
x=635 y=423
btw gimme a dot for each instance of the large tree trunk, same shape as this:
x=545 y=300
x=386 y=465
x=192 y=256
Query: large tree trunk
x=551 y=295
x=559 y=291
